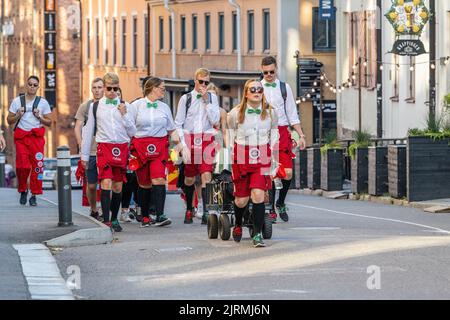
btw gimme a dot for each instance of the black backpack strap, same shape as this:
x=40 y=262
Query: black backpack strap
x=210 y=97
x=88 y=105
x=94 y=112
x=188 y=101
x=283 y=92
x=23 y=104
x=36 y=103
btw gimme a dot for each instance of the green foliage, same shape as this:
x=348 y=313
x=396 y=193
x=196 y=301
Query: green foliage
x=362 y=140
x=331 y=142
x=447 y=99
x=437 y=127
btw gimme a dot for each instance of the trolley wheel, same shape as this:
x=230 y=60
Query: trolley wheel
x=224 y=227
x=267 y=227
x=213 y=226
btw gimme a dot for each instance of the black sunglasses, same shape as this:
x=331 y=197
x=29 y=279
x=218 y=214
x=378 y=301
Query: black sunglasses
x=268 y=72
x=113 y=88
x=35 y=85
x=256 y=89
x=203 y=82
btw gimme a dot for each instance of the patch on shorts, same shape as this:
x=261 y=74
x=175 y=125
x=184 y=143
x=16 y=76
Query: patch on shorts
x=116 y=152
x=254 y=153
x=39 y=156
x=151 y=148
x=198 y=141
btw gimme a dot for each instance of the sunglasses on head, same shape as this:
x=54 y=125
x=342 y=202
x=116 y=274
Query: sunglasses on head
x=269 y=72
x=113 y=88
x=203 y=82
x=35 y=85
x=256 y=89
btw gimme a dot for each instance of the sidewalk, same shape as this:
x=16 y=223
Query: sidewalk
x=27 y=225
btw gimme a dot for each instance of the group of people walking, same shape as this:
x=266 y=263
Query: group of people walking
x=115 y=136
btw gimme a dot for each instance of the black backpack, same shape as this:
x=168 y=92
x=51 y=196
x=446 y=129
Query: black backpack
x=23 y=104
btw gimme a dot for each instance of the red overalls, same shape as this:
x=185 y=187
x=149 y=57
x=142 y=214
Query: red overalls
x=30 y=156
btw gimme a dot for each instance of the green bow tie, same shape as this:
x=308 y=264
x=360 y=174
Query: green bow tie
x=250 y=111
x=273 y=85
x=111 y=101
x=199 y=96
x=152 y=105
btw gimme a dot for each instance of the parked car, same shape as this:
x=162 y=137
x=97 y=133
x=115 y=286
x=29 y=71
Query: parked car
x=49 y=174
x=50 y=178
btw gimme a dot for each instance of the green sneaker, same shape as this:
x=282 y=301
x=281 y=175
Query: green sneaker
x=162 y=220
x=257 y=241
x=282 y=211
x=116 y=226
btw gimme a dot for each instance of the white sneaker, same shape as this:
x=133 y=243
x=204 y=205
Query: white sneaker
x=199 y=212
x=125 y=217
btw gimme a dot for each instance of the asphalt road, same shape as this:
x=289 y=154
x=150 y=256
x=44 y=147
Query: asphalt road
x=330 y=249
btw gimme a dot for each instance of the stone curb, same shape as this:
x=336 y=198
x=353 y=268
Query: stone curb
x=84 y=237
x=427 y=207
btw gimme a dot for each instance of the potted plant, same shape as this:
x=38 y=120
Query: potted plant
x=428 y=160
x=331 y=163
x=358 y=151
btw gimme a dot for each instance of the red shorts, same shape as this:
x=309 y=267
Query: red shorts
x=203 y=150
x=285 y=147
x=152 y=154
x=248 y=175
x=112 y=161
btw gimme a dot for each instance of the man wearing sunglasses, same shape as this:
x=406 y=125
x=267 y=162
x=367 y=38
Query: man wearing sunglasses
x=29 y=114
x=81 y=117
x=280 y=96
x=198 y=113
x=112 y=126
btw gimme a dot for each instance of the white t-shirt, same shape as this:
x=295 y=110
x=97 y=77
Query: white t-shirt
x=151 y=122
x=28 y=120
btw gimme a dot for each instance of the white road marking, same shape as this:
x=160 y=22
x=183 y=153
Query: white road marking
x=176 y=249
x=315 y=228
x=42 y=273
x=370 y=217
x=289 y=291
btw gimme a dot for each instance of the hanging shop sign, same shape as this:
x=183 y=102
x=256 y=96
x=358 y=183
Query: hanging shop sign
x=408 y=18
x=408 y=48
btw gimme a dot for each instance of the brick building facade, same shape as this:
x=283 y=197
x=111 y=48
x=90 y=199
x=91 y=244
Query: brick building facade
x=23 y=53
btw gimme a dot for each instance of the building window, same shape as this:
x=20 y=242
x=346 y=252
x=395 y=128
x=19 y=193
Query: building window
x=194 y=32
x=170 y=33
x=362 y=51
x=411 y=80
x=88 y=43
x=105 y=41
x=161 y=33
x=324 y=33
x=183 y=32
x=266 y=26
x=97 y=41
x=395 y=97
x=124 y=42
x=221 y=31
x=114 y=53
x=251 y=30
x=234 y=26
x=207 y=32
x=146 y=35
x=135 y=38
